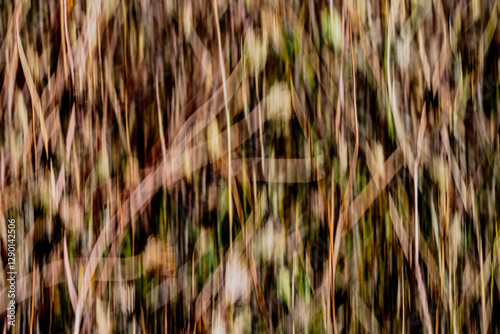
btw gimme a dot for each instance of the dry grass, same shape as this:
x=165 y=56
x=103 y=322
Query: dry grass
x=251 y=166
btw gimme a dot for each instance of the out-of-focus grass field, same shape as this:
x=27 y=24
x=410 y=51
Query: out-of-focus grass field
x=251 y=166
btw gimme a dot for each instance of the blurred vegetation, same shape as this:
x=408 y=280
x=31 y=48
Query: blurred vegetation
x=251 y=166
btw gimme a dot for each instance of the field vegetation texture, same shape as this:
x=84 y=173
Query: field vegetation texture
x=250 y=166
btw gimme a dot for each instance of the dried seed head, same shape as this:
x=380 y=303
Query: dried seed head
x=219 y=326
x=187 y=19
x=272 y=242
x=331 y=27
x=71 y=214
x=187 y=163
x=342 y=152
x=440 y=173
x=156 y=255
x=270 y=25
x=237 y=281
x=256 y=51
x=403 y=54
x=284 y=285
x=214 y=147
x=455 y=238
x=104 y=325
x=378 y=151
x=22 y=111
x=278 y=102
x=125 y=297
x=103 y=170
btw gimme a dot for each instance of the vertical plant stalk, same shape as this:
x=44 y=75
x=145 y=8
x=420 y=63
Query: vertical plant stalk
x=332 y=289
x=481 y=270
x=263 y=165
x=345 y=210
x=228 y=119
x=35 y=99
x=33 y=275
x=249 y=252
x=162 y=137
x=340 y=105
x=420 y=283
x=67 y=270
x=69 y=53
x=34 y=142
